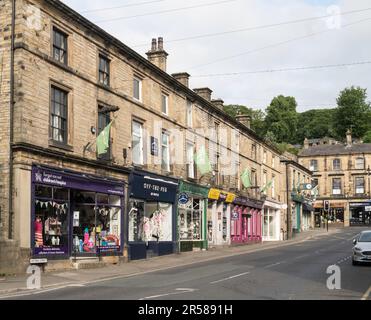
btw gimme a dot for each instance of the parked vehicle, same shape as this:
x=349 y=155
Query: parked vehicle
x=362 y=248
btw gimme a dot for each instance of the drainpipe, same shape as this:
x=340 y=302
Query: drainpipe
x=11 y=117
x=288 y=210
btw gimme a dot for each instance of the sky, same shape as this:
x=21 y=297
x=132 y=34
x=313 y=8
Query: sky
x=337 y=36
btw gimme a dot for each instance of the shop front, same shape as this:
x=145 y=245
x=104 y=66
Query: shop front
x=360 y=213
x=74 y=214
x=218 y=217
x=296 y=211
x=308 y=216
x=192 y=211
x=152 y=215
x=246 y=219
x=271 y=221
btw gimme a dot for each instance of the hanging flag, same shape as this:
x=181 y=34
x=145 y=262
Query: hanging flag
x=314 y=192
x=202 y=161
x=246 y=178
x=103 y=140
x=267 y=186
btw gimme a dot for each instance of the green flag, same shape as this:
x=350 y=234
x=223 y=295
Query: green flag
x=246 y=178
x=202 y=161
x=103 y=140
x=267 y=186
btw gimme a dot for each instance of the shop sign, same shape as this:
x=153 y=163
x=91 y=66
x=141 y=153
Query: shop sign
x=193 y=189
x=106 y=249
x=63 y=250
x=154 y=146
x=65 y=180
x=76 y=218
x=230 y=198
x=234 y=215
x=150 y=188
x=214 y=194
x=183 y=198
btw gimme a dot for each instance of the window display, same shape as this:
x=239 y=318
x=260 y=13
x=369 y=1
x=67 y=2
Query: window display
x=190 y=220
x=150 y=221
x=51 y=220
x=97 y=228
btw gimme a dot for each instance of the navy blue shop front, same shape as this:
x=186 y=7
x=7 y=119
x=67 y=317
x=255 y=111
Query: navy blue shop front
x=151 y=215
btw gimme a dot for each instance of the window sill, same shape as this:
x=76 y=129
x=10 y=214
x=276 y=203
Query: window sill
x=61 y=146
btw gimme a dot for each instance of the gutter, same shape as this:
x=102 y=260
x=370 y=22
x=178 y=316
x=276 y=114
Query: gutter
x=11 y=123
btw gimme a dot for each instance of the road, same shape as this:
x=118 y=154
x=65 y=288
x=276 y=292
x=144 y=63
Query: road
x=291 y=272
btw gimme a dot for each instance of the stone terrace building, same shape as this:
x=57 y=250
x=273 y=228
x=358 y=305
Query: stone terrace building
x=342 y=173
x=63 y=81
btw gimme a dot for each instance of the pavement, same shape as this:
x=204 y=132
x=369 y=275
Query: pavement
x=294 y=269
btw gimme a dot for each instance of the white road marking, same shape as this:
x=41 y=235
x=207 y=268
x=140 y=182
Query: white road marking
x=181 y=291
x=274 y=264
x=367 y=294
x=229 y=278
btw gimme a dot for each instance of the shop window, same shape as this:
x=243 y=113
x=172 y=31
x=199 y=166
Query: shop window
x=190 y=220
x=96 y=223
x=51 y=221
x=150 y=221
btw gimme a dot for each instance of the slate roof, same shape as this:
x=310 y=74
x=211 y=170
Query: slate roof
x=336 y=149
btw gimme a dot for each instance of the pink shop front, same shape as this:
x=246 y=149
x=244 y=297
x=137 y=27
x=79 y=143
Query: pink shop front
x=246 y=221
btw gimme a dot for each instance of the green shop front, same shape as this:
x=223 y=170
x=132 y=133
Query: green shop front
x=192 y=210
x=297 y=204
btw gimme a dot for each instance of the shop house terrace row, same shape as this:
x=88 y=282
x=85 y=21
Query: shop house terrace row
x=64 y=80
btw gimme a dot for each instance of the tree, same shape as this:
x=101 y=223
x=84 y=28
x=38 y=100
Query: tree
x=257 y=116
x=367 y=137
x=315 y=124
x=353 y=112
x=282 y=119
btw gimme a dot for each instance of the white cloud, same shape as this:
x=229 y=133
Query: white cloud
x=312 y=88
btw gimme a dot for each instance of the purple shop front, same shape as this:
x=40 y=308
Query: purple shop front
x=75 y=214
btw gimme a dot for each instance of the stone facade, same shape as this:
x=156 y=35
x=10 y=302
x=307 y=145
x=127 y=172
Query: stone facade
x=36 y=72
x=341 y=172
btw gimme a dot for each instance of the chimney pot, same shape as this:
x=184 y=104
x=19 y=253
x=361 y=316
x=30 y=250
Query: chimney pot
x=160 y=43
x=154 y=45
x=157 y=55
x=306 y=143
x=349 y=138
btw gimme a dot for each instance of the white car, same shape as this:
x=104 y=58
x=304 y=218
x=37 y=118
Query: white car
x=362 y=248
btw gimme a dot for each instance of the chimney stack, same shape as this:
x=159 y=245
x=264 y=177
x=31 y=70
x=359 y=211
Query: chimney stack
x=157 y=55
x=219 y=103
x=306 y=143
x=204 y=93
x=182 y=77
x=349 y=138
x=245 y=119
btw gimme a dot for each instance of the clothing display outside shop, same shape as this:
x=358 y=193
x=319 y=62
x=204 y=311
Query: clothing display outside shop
x=150 y=221
x=190 y=220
